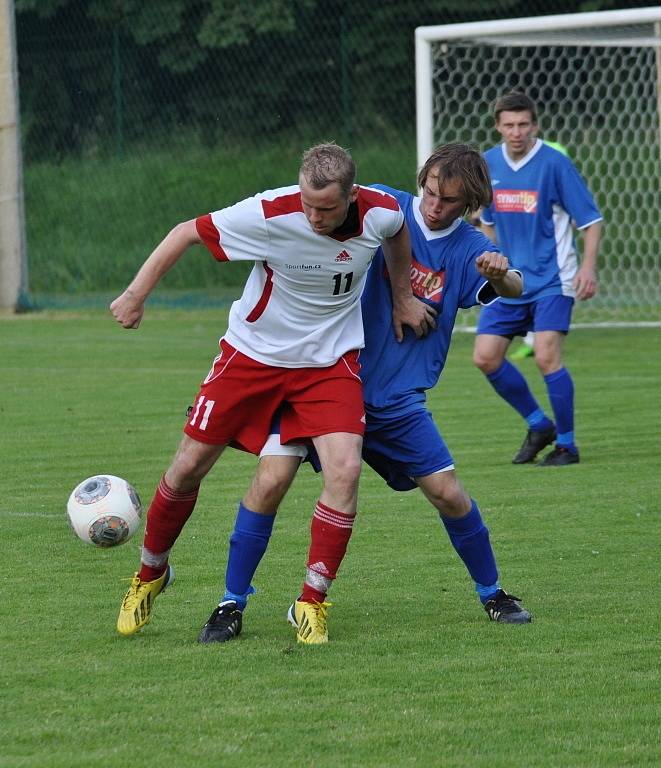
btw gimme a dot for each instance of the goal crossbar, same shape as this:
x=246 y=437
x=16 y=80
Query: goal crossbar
x=425 y=36
x=596 y=78
x=559 y=21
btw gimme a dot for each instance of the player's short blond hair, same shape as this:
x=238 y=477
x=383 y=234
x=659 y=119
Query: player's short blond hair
x=463 y=162
x=326 y=164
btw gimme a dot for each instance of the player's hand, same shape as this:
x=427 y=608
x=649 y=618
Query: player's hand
x=492 y=265
x=414 y=313
x=585 y=283
x=128 y=309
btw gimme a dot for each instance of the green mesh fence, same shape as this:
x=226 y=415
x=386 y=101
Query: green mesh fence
x=136 y=116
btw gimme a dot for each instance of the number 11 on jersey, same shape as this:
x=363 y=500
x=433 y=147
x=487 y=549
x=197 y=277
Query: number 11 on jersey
x=337 y=283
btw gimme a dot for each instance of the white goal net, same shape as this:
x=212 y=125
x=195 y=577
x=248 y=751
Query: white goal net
x=596 y=78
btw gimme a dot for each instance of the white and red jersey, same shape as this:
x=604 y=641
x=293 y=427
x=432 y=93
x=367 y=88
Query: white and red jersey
x=300 y=306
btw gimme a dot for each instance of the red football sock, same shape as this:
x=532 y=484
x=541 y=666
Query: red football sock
x=167 y=515
x=330 y=532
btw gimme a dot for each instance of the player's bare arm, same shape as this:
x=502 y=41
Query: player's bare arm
x=407 y=310
x=585 y=281
x=495 y=268
x=129 y=307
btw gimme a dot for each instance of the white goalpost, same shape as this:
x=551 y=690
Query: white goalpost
x=596 y=78
x=13 y=265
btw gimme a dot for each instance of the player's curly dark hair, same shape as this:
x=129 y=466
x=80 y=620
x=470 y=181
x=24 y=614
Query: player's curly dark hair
x=463 y=162
x=327 y=163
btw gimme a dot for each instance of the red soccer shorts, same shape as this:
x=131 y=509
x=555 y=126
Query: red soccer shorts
x=239 y=397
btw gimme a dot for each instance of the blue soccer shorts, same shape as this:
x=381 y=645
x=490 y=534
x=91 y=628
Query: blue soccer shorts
x=550 y=313
x=398 y=449
x=405 y=448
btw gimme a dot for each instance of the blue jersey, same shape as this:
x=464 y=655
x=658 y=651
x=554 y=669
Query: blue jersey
x=534 y=203
x=443 y=275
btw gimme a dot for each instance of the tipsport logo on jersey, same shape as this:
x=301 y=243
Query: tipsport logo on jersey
x=426 y=283
x=515 y=200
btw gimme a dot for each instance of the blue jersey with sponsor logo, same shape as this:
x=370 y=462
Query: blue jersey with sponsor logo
x=443 y=274
x=534 y=202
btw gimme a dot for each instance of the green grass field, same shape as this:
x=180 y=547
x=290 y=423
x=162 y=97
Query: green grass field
x=414 y=674
x=91 y=222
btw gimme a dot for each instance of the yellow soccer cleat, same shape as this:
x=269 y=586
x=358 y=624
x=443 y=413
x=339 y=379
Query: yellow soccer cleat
x=138 y=601
x=310 y=621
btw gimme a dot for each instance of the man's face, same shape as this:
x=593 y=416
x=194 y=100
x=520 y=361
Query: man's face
x=440 y=206
x=325 y=209
x=518 y=130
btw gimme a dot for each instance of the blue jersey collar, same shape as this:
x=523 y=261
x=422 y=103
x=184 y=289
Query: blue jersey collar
x=525 y=159
x=432 y=234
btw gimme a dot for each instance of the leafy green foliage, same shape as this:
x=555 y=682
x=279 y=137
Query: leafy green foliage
x=102 y=76
x=92 y=223
x=229 y=23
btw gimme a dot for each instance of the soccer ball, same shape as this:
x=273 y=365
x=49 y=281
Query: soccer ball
x=104 y=510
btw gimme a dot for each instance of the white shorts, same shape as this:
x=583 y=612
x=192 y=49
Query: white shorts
x=273 y=447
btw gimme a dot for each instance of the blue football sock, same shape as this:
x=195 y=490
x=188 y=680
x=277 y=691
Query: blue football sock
x=485 y=591
x=240 y=600
x=248 y=544
x=470 y=538
x=513 y=388
x=538 y=421
x=560 y=388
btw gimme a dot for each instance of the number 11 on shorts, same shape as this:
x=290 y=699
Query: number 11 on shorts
x=208 y=405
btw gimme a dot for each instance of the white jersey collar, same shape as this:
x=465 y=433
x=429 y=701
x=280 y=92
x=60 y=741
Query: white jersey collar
x=515 y=166
x=432 y=234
